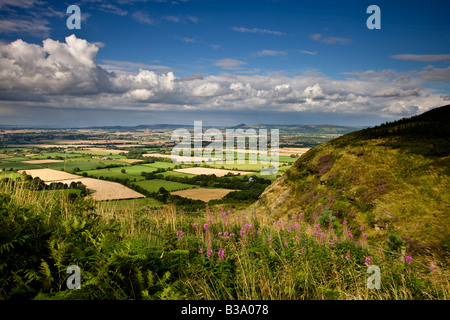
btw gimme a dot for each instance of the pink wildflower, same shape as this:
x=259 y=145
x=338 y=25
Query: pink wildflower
x=368 y=260
x=221 y=254
x=201 y=250
x=205 y=226
x=408 y=259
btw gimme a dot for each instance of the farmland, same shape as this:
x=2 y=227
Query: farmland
x=139 y=160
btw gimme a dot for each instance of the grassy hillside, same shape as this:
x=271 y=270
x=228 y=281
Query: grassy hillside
x=390 y=178
x=124 y=252
x=359 y=190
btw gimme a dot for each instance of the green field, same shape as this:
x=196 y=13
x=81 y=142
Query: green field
x=17 y=165
x=97 y=153
x=159 y=164
x=154 y=185
x=83 y=165
x=110 y=173
x=9 y=174
x=176 y=174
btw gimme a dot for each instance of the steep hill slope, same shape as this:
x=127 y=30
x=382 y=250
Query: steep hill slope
x=390 y=177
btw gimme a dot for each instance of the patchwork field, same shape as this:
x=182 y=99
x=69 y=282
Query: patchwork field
x=203 y=194
x=207 y=171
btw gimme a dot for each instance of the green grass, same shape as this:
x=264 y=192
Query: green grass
x=17 y=165
x=117 y=173
x=125 y=252
x=112 y=174
x=156 y=184
x=97 y=153
x=81 y=164
x=137 y=169
x=176 y=174
x=9 y=175
x=158 y=164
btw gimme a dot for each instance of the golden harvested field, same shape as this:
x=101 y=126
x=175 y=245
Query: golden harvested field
x=217 y=172
x=106 y=190
x=203 y=194
x=42 y=161
x=50 y=175
x=103 y=190
x=289 y=151
x=128 y=160
x=106 y=150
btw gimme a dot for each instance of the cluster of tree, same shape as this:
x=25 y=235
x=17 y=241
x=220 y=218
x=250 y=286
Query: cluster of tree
x=37 y=184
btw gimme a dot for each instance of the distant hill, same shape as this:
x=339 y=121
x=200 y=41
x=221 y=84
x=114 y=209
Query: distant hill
x=393 y=177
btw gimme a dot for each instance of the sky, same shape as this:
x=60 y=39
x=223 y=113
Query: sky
x=228 y=62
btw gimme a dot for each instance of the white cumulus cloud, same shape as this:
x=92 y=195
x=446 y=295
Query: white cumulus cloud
x=67 y=74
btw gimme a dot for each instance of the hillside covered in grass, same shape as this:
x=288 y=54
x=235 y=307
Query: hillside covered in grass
x=376 y=197
x=131 y=253
x=393 y=178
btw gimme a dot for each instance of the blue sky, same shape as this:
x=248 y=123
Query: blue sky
x=223 y=62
